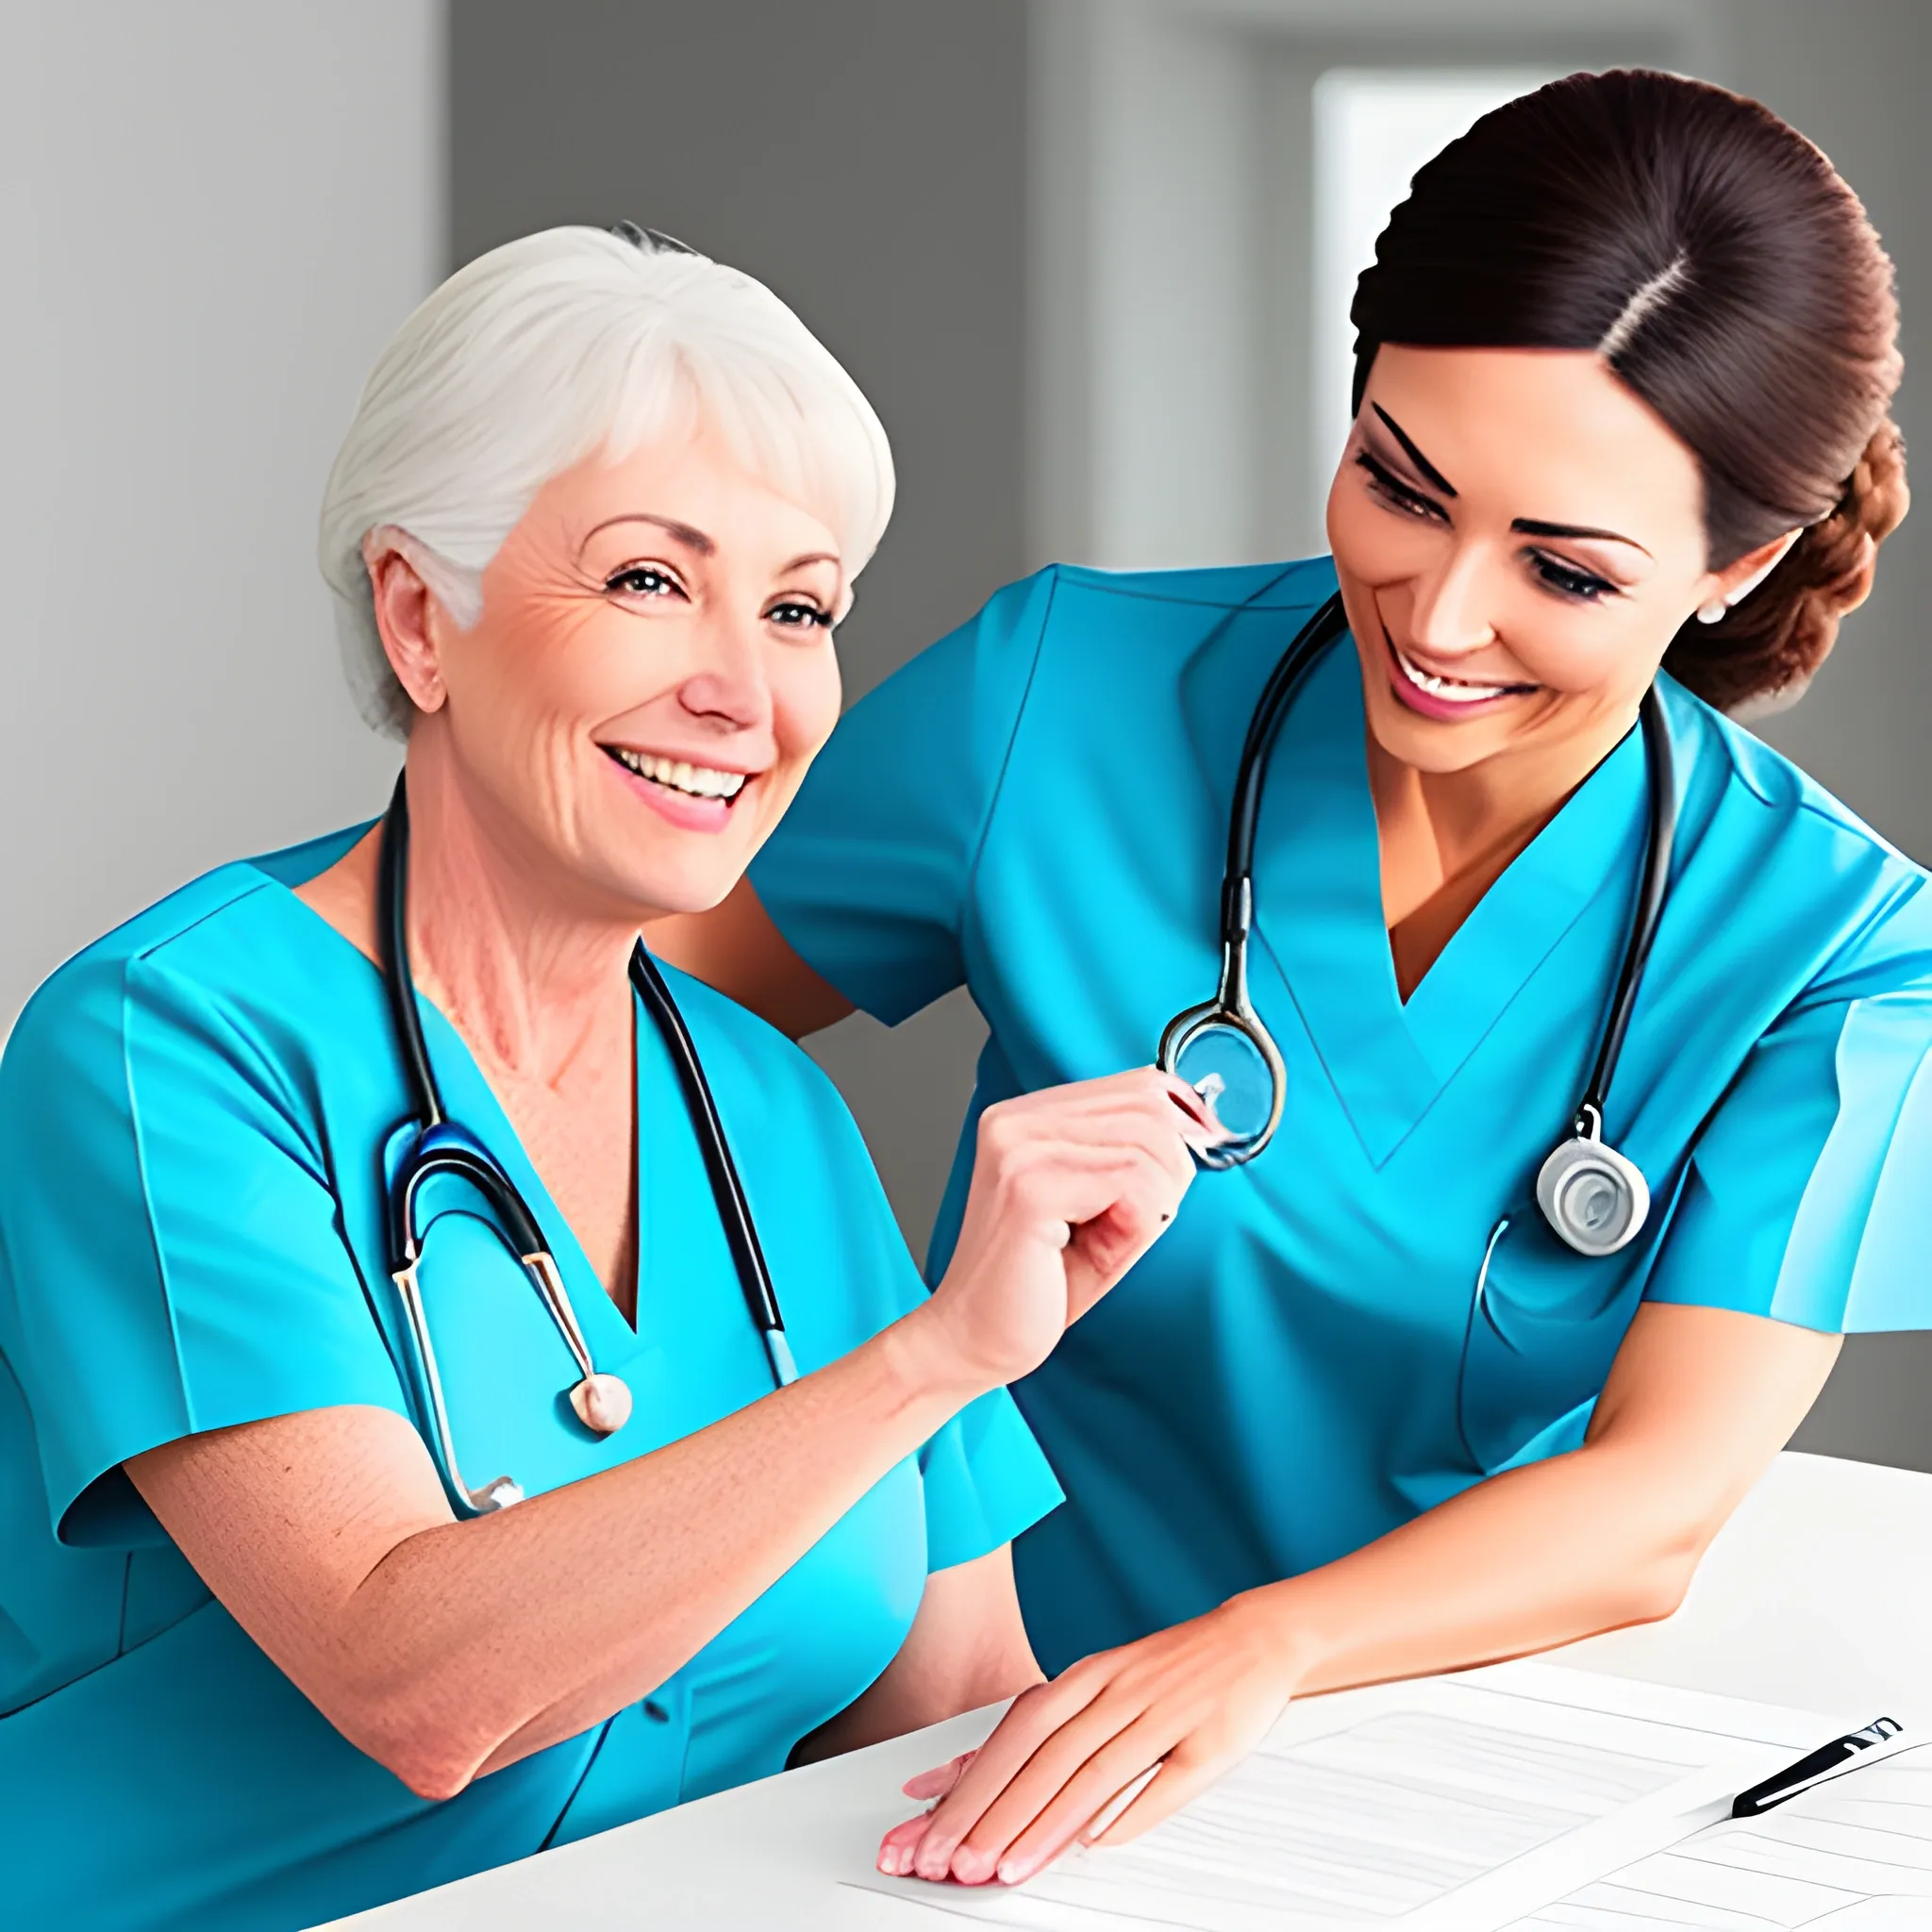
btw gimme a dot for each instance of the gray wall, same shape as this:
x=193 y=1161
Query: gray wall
x=1853 y=76
x=216 y=215
x=866 y=158
x=889 y=164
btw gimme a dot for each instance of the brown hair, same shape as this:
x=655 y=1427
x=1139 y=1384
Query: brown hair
x=1716 y=260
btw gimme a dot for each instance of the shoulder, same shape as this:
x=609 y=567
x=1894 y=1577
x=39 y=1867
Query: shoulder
x=216 y=937
x=803 y=1161
x=1305 y=582
x=1082 y=608
x=1816 y=873
x=759 y=1075
x=1069 y=605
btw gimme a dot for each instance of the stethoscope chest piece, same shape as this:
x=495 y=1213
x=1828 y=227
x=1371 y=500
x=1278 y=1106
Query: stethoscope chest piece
x=602 y=1402
x=1595 y=1198
x=1229 y=1060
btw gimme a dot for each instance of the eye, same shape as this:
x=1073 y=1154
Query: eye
x=1393 y=491
x=795 y=615
x=1566 y=580
x=645 y=580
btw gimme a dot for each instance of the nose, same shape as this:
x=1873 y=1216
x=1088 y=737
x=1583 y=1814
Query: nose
x=1450 y=615
x=731 y=687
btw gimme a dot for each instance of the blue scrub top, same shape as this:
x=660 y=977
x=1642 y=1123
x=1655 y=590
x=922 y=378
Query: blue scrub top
x=193 y=1118
x=1036 y=807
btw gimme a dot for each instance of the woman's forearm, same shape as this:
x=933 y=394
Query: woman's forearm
x=1521 y=1562
x=454 y=1648
x=447 y=1648
x=1698 y=1402
x=710 y=1522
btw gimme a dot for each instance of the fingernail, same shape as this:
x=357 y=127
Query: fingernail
x=972 y=1868
x=1012 y=1872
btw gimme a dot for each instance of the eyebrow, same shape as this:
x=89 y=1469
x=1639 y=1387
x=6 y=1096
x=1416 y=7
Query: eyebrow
x=691 y=539
x=811 y=556
x=1527 y=527
x=1429 y=470
x=1530 y=526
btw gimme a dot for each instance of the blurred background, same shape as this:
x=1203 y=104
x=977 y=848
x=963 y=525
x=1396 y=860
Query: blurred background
x=1090 y=259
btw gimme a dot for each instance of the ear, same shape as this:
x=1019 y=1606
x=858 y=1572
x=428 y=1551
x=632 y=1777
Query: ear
x=410 y=621
x=1736 y=581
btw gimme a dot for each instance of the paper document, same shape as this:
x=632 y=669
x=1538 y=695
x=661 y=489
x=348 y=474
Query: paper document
x=1853 y=1855
x=1449 y=1802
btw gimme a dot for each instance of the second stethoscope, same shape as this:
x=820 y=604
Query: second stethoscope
x=1593 y=1197
x=440 y=1146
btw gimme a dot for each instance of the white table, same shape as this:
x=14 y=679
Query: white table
x=1815 y=1594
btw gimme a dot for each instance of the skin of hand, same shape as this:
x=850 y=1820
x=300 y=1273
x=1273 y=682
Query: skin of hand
x=1696 y=1404
x=668 y=610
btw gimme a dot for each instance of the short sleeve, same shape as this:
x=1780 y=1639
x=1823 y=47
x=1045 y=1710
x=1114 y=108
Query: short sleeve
x=986 y=1480
x=173 y=1257
x=867 y=875
x=1806 y=1198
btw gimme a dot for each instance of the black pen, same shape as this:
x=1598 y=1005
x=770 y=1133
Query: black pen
x=1813 y=1767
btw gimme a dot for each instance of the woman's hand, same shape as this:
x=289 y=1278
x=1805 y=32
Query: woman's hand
x=1071 y=1187
x=1184 y=1705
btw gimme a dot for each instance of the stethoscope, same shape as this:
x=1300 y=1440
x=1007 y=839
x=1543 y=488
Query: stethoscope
x=1594 y=1197
x=440 y=1146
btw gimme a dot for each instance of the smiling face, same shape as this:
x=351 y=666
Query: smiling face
x=652 y=674
x=1518 y=538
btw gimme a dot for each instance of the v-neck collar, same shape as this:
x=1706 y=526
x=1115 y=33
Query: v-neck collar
x=470 y=1098
x=1320 y=943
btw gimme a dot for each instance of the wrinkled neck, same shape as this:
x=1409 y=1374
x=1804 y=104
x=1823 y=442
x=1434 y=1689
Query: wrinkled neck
x=525 y=959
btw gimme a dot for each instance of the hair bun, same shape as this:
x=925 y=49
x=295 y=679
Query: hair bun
x=1878 y=492
x=1764 y=654
x=1845 y=545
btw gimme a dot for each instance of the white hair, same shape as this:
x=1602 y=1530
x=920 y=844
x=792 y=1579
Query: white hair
x=552 y=348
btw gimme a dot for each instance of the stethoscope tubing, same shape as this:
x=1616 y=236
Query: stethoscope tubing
x=728 y=1188
x=1231 y=1007
x=440 y=1146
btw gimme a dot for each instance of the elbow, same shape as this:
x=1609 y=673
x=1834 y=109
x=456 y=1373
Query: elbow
x=1657 y=1581
x=1653 y=1592
x=413 y=1734
x=437 y=1775
x=428 y=1758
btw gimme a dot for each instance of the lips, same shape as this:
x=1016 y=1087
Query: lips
x=1446 y=699
x=679 y=775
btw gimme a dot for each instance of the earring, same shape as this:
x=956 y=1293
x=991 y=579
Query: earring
x=1712 y=613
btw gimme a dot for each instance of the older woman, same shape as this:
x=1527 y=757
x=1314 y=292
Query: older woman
x=310 y=1272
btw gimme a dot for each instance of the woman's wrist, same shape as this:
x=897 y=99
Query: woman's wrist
x=1272 y=1621
x=923 y=1356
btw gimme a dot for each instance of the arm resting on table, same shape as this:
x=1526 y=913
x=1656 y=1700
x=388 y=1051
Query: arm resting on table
x=1697 y=1402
